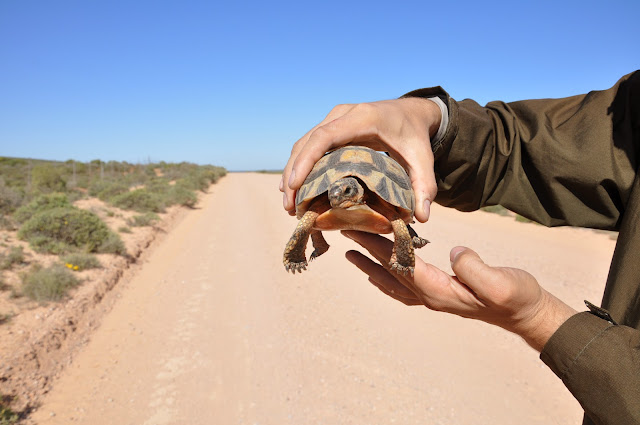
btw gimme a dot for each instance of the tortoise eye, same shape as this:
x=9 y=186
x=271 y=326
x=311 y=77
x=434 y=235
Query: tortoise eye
x=348 y=191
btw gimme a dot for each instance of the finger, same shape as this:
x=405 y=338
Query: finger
x=483 y=280
x=406 y=301
x=288 y=194
x=379 y=246
x=380 y=277
x=340 y=131
x=417 y=159
x=288 y=174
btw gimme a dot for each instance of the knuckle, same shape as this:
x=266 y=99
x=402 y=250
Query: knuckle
x=320 y=133
x=431 y=188
x=342 y=108
x=366 y=109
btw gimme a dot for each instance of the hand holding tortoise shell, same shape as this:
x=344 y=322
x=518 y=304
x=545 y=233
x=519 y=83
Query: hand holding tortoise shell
x=355 y=188
x=401 y=127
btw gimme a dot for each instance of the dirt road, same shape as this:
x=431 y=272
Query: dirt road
x=213 y=331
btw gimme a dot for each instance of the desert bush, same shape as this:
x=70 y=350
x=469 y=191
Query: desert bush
x=82 y=261
x=48 y=178
x=194 y=181
x=496 y=209
x=143 y=220
x=66 y=229
x=48 y=284
x=181 y=195
x=140 y=200
x=112 y=245
x=10 y=198
x=158 y=185
x=14 y=256
x=39 y=204
x=105 y=189
x=7 y=416
x=124 y=229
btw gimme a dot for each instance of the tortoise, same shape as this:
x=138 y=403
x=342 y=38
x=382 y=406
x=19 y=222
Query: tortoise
x=355 y=188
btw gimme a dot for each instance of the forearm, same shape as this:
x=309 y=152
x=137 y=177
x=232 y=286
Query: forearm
x=557 y=161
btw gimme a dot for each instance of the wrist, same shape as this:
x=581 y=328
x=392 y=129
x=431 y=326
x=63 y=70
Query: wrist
x=544 y=321
x=426 y=112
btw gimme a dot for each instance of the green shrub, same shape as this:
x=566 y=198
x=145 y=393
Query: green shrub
x=83 y=261
x=143 y=220
x=48 y=284
x=140 y=200
x=158 y=185
x=7 y=416
x=113 y=245
x=66 y=229
x=41 y=203
x=14 y=256
x=496 y=209
x=523 y=219
x=195 y=181
x=10 y=198
x=124 y=229
x=181 y=195
x=105 y=190
x=48 y=178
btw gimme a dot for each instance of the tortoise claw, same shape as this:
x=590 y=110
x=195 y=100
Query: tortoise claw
x=419 y=242
x=315 y=254
x=293 y=267
x=400 y=269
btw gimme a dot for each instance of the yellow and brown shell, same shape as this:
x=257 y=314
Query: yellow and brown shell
x=380 y=173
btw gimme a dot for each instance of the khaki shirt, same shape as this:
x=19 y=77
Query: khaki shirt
x=570 y=161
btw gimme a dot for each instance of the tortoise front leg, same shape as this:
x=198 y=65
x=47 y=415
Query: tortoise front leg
x=402 y=257
x=294 y=258
x=418 y=242
x=319 y=243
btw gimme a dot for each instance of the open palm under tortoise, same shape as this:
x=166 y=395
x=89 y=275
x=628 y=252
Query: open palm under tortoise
x=355 y=188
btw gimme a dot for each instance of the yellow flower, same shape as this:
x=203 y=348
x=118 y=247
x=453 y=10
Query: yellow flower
x=75 y=268
x=69 y=265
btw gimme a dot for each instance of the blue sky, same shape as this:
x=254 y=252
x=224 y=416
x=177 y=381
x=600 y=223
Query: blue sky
x=237 y=84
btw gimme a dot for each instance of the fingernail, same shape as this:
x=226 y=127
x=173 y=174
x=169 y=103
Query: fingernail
x=281 y=187
x=346 y=233
x=455 y=252
x=284 y=201
x=426 y=207
x=292 y=177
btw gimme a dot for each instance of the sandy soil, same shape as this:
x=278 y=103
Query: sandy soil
x=39 y=340
x=211 y=330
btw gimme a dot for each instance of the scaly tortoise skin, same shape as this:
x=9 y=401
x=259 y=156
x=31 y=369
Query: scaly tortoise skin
x=355 y=188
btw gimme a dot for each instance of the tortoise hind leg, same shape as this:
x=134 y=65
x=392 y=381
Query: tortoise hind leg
x=294 y=258
x=418 y=242
x=320 y=245
x=402 y=259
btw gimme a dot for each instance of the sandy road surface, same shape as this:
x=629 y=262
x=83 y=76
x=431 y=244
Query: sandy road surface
x=213 y=331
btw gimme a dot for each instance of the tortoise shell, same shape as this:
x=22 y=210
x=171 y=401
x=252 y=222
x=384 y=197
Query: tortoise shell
x=380 y=173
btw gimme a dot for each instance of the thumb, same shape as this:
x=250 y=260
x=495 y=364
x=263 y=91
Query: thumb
x=423 y=182
x=469 y=268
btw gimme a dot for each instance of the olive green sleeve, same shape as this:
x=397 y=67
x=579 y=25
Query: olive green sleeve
x=563 y=161
x=570 y=161
x=599 y=362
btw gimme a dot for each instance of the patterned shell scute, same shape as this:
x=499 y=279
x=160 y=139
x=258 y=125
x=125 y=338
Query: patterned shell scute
x=381 y=173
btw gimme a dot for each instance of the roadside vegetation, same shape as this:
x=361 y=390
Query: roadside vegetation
x=7 y=416
x=37 y=203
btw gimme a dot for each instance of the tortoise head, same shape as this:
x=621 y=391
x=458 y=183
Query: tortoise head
x=345 y=193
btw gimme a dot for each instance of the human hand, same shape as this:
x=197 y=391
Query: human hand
x=402 y=127
x=506 y=297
